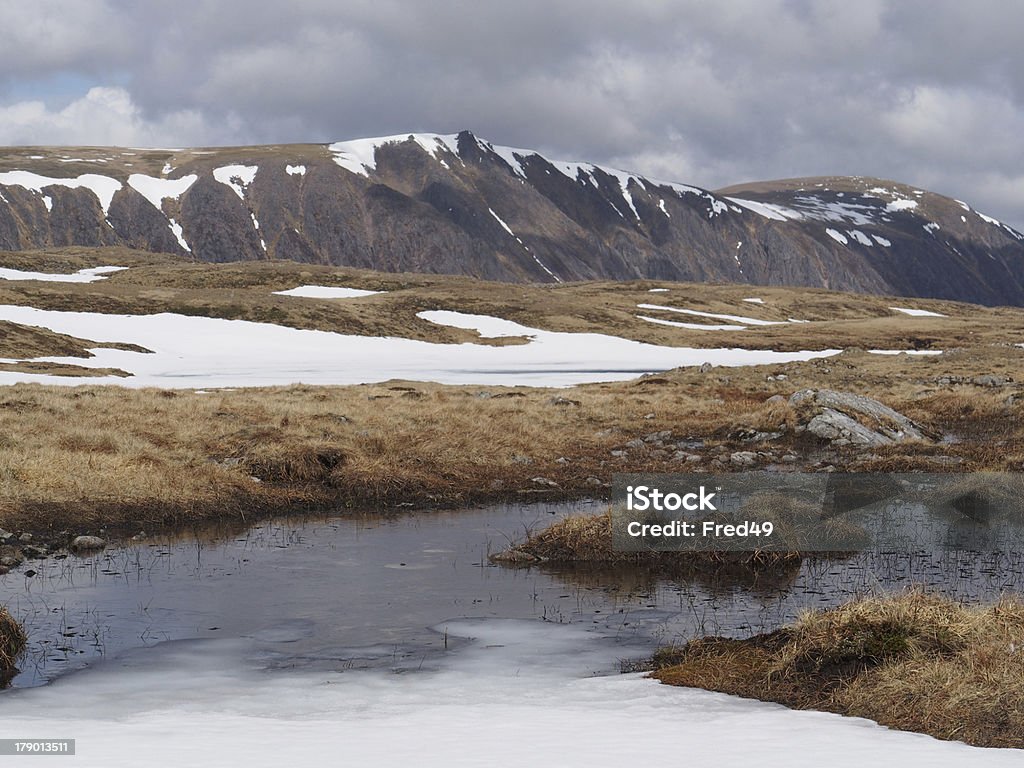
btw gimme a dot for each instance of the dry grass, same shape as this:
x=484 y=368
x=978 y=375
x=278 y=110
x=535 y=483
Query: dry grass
x=911 y=661
x=588 y=539
x=12 y=642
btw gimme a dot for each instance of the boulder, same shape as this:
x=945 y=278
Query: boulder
x=87 y=543
x=848 y=419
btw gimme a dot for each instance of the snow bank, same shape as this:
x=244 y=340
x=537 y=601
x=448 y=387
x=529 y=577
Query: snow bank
x=90 y=275
x=192 y=352
x=326 y=292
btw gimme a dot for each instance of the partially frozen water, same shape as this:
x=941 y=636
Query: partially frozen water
x=391 y=640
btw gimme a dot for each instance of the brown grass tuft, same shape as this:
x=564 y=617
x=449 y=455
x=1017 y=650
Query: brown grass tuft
x=12 y=642
x=911 y=661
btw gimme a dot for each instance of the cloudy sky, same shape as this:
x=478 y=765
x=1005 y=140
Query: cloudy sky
x=930 y=92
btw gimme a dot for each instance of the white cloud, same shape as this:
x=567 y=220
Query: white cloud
x=102 y=116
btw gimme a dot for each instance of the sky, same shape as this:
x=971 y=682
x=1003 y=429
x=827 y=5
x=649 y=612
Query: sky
x=927 y=92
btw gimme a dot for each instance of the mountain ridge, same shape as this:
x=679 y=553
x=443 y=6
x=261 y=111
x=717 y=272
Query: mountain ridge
x=458 y=204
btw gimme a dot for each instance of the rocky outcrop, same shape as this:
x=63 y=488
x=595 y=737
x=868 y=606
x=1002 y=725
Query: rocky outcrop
x=847 y=419
x=460 y=205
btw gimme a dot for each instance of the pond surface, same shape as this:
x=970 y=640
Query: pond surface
x=393 y=641
x=353 y=592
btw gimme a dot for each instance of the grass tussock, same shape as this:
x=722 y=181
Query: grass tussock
x=912 y=661
x=587 y=539
x=12 y=642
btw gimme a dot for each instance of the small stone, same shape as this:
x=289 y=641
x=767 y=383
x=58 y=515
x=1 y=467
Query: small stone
x=705 y=367
x=594 y=482
x=543 y=481
x=25 y=538
x=649 y=416
x=563 y=401
x=693 y=458
x=561 y=460
x=636 y=444
x=85 y=543
x=743 y=458
x=619 y=454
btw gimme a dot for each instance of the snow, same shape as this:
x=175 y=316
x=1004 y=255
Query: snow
x=714 y=316
x=658 y=290
x=48 y=202
x=360 y=155
x=882 y=241
x=692 y=326
x=931 y=227
x=989 y=219
x=90 y=275
x=839 y=237
x=503 y=224
x=238 y=177
x=754 y=301
x=190 y=352
x=768 y=210
x=103 y=187
x=178 y=234
x=901 y=204
x=661 y=205
x=916 y=312
x=157 y=190
x=295 y=170
x=860 y=237
x=326 y=292
x=520 y=692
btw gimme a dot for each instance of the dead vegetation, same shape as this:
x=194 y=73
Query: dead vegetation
x=12 y=642
x=910 y=661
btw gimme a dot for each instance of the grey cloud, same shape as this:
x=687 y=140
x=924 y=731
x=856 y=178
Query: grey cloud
x=931 y=93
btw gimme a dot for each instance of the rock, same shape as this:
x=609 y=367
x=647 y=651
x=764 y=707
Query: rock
x=561 y=460
x=743 y=458
x=776 y=399
x=543 y=481
x=25 y=538
x=988 y=380
x=856 y=419
x=594 y=482
x=649 y=416
x=693 y=458
x=87 y=543
x=563 y=401
x=658 y=437
x=34 y=552
x=517 y=459
x=659 y=454
x=5 y=535
x=619 y=454
x=705 y=367
x=636 y=444
x=10 y=561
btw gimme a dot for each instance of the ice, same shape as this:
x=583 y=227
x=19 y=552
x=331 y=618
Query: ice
x=157 y=190
x=238 y=177
x=326 y=292
x=295 y=170
x=714 y=316
x=190 y=352
x=519 y=693
x=839 y=237
x=90 y=275
x=916 y=312
x=103 y=187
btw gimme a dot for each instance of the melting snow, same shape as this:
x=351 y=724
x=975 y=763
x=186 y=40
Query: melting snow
x=882 y=241
x=360 y=155
x=518 y=689
x=103 y=187
x=295 y=170
x=90 y=275
x=326 y=292
x=238 y=177
x=658 y=290
x=768 y=210
x=860 y=237
x=692 y=326
x=902 y=204
x=191 y=352
x=714 y=316
x=178 y=234
x=157 y=190
x=916 y=312
x=754 y=301
x=837 y=236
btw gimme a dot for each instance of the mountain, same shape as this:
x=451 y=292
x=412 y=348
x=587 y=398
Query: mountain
x=457 y=204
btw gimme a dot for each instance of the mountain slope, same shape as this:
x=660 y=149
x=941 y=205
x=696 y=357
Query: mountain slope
x=457 y=204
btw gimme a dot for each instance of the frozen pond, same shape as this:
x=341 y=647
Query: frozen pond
x=387 y=640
